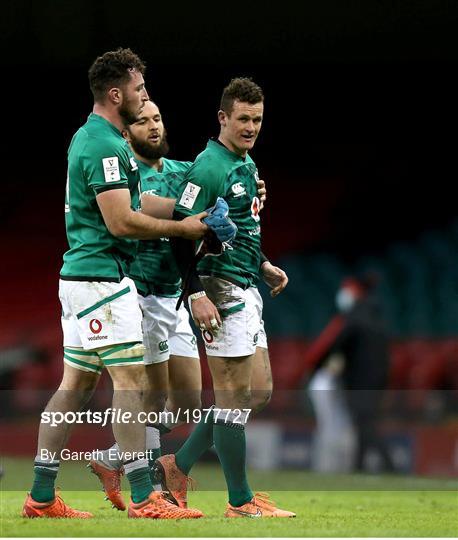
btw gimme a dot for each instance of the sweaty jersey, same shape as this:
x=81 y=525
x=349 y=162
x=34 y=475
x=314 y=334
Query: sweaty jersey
x=155 y=270
x=218 y=172
x=99 y=159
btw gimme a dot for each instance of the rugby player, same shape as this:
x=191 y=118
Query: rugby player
x=226 y=287
x=171 y=358
x=101 y=317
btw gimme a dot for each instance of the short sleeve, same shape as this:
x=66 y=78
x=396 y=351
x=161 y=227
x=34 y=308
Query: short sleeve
x=105 y=166
x=199 y=188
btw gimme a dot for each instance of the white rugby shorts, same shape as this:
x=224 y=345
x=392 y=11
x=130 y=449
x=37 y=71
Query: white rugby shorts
x=97 y=314
x=241 y=311
x=166 y=331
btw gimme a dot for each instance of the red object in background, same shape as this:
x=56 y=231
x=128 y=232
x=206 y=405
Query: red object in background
x=312 y=355
x=436 y=451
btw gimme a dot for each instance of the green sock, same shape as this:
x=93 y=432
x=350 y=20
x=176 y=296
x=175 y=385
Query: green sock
x=200 y=440
x=43 y=484
x=140 y=483
x=230 y=446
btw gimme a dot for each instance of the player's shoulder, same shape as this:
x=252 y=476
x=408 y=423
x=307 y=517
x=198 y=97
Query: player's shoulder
x=175 y=166
x=210 y=163
x=99 y=136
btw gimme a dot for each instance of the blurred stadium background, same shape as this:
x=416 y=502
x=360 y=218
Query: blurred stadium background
x=359 y=169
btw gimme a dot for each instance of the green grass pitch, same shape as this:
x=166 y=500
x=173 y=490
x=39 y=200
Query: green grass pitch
x=326 y=505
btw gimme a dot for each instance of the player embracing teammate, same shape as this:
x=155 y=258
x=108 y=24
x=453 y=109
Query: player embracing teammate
x=102 y=320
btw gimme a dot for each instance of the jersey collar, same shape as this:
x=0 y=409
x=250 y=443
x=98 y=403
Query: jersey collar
x=215 y=144
x=101 y=120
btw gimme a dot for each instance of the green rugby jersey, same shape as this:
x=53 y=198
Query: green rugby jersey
x=99 y=159
x=155 y=270
x=219 y=172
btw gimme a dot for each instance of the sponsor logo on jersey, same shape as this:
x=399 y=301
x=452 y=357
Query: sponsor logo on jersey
x=255 y=231
x=163 y=346
x=150 y=192
x=238 y=189
x=111 y=169
x=133 y=164
x=95 y=326
x=255 y=204
x=208 y=336
x=189 y=195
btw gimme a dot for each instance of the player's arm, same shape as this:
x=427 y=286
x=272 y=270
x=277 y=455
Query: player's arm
x=273 y=276
x=199 y=190
x=156 y=206
x=122 y=221
x=203 y=311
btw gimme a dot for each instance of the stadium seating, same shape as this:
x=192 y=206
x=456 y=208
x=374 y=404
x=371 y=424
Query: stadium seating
x=419 y=289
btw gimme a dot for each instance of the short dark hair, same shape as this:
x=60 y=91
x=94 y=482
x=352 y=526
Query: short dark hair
x=112 y=70
x=242 y=89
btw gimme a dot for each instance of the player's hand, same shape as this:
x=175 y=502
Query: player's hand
x=205 y=314
x=193 y=228
x=262 y=193
x=275 y=278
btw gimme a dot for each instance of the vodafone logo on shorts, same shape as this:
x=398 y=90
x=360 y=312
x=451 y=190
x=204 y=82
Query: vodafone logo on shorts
x=95 y=326
x=208 y=336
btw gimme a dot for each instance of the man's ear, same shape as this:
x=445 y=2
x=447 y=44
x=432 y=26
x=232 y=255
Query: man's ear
x=115 y=95
x=222 y=118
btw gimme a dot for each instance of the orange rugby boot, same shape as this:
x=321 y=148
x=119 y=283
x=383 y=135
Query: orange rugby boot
x=111 y=482
x=260 y=506
x=172 y=479
x=54 y=509
x=157 y=506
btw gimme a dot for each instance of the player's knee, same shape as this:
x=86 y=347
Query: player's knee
x=194 y=401
x=78 y=380
x=260 y=399
x=129 y=377
x=185 y=400
x=125 y=366
x=155 y=400
x=234 y=398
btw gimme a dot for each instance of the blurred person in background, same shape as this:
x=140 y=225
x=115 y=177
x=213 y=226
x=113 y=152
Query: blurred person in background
x=351 y=359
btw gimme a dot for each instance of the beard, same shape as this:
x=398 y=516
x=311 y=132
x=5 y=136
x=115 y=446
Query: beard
x=127 y=114
x=144 y=149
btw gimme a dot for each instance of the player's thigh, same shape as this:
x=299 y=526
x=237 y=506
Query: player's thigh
x=261 y=372
x=261 y=380
x=158 y=376
x=157 y=323
x=156 y=393
x=184 y=373
x=231 y=380
x=76 y=379
x=185 y=383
